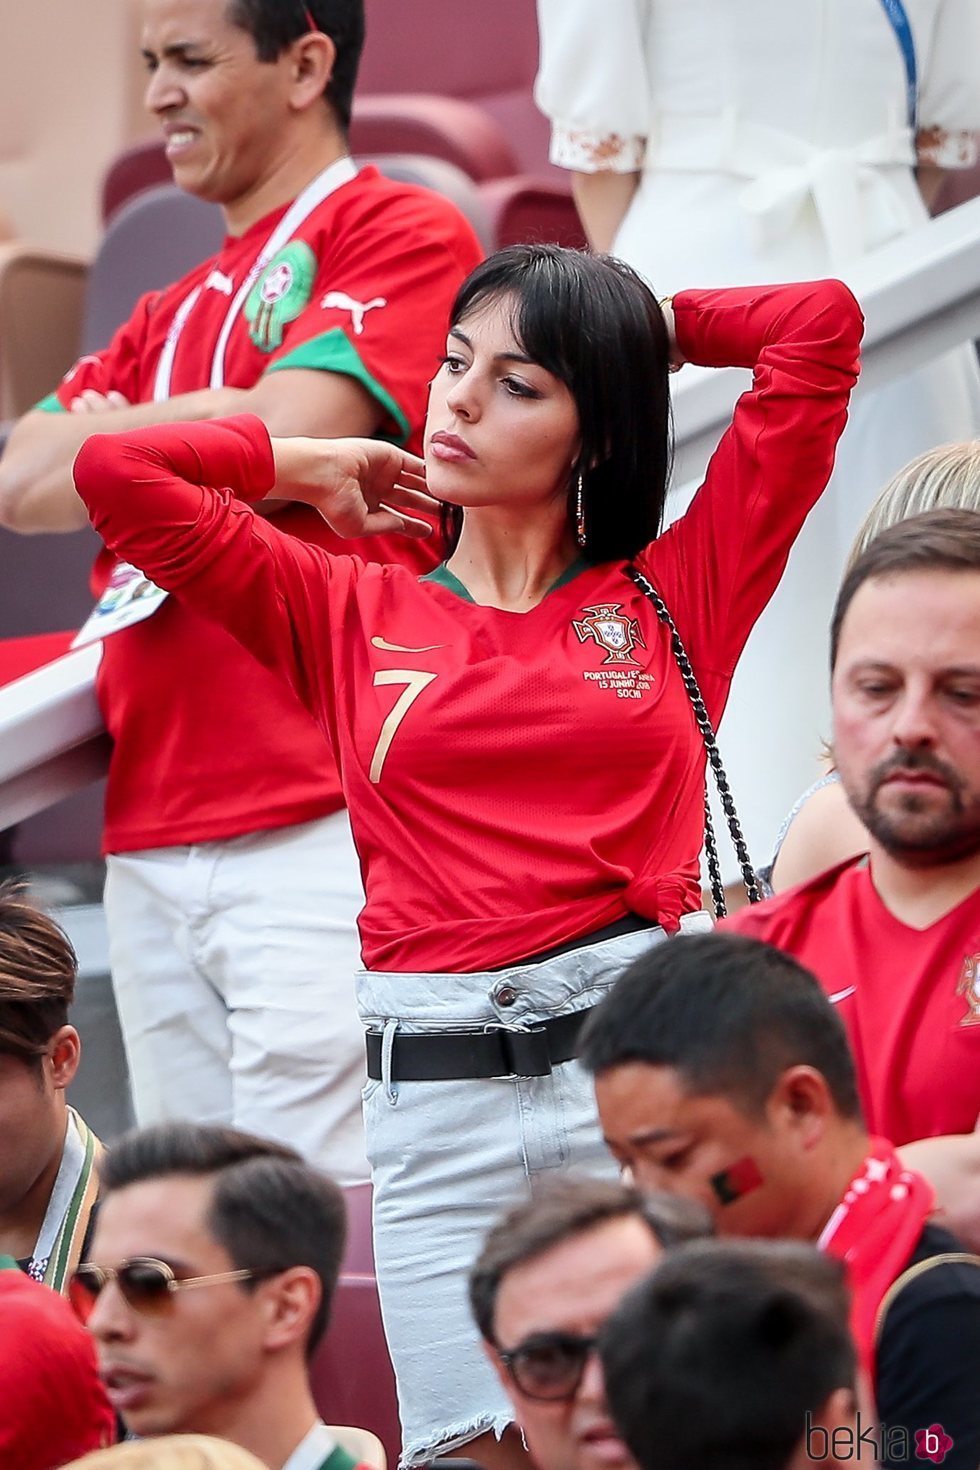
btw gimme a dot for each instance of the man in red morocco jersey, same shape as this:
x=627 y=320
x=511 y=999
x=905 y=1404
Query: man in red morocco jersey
x=233 y=885
x=894 y=937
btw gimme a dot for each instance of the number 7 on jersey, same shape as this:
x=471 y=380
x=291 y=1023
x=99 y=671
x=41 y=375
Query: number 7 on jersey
x=415 y=680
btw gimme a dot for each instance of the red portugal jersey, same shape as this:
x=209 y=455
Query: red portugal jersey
x=208 y=744
x=514 y=780
x=910 y=998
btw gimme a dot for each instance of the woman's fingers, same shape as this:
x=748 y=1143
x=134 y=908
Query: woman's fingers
x=386 y=522
x=412 y=499
x=412 y=465
x=417 y=482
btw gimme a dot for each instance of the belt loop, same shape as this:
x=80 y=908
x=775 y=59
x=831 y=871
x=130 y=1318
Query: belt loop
x=387 y=1047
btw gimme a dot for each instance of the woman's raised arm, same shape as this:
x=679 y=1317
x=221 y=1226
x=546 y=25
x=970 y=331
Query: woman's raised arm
x=174 y=501
x=719 y=564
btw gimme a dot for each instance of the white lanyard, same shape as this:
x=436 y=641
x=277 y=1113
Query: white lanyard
x=337 y=174
x=313 y=1450
x=69 y=1173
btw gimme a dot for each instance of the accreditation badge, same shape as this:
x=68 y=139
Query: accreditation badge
x=129 y=597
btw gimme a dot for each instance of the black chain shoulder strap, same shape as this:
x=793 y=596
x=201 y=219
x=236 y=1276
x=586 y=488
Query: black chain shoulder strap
x=714 y=760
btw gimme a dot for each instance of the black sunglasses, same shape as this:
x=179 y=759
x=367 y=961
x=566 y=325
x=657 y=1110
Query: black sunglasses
x=146 y=1283
x=549 y=1365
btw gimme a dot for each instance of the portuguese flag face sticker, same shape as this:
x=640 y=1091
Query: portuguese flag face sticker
x=737 y=1180
x=280 y=294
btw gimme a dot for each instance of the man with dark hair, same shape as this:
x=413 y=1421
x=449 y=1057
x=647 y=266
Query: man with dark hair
x=48 y=1157
x=208 y=1288
x=549 y=1274
x=894 y=937
x=233 y=884
x=735 y=1356
x=722 y=1074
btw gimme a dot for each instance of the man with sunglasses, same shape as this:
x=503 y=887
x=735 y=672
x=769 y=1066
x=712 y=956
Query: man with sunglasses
x=48 y=1156
x=208 y=1288
x=232 y=881
x=550 y=1273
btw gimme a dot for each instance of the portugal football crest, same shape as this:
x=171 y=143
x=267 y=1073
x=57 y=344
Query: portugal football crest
x=969 y=988
x=617 y=635
x=280 y=294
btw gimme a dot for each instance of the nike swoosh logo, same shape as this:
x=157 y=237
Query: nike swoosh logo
x=841 y=994
x=386 y=647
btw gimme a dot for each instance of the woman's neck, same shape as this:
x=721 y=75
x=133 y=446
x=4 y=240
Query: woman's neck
x=509 y=563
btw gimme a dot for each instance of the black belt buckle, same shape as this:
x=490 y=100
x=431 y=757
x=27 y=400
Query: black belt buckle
x=526 y=1053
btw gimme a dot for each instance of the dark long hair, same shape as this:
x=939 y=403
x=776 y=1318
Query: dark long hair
x=592 y=322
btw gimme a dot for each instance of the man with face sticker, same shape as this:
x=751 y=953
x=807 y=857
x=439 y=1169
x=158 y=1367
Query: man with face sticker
x=233 y=884
x=722 y=1075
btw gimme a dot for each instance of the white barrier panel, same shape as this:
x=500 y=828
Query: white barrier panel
x=52 y=740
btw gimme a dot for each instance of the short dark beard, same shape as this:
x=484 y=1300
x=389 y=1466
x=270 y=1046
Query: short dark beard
x=945 y=837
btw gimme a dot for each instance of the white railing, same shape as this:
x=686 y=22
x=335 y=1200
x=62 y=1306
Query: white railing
x=921 y=296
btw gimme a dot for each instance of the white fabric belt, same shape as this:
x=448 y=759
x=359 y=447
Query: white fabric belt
x=856 y=201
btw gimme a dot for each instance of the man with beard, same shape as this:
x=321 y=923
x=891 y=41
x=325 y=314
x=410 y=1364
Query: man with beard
x=894 y=936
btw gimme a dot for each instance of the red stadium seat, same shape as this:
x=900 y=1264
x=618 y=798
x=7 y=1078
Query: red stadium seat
x=441 y=127
x=144 y=166
x=351 y=1375
x=482 y=55
x=359 y=1256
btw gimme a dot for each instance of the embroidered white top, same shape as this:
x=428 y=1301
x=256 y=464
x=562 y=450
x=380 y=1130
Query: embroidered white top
x=791 y=117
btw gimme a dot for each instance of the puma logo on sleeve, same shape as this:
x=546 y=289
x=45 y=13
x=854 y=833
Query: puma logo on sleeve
x=358 y=309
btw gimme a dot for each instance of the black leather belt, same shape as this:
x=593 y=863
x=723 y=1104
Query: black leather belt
x=497 y=1052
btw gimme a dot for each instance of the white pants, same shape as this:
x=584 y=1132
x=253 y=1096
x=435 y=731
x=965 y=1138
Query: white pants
x=233 y=967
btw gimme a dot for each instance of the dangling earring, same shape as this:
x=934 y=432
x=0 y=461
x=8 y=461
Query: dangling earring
x=580 y=534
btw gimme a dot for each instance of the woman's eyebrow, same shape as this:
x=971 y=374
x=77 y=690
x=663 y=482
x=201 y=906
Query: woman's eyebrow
x=498 y=356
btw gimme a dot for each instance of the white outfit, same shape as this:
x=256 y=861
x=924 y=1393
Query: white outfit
x=773 y=143
x=218 y=1029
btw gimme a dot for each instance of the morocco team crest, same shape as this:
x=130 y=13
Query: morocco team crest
x=969 y=988
x=280 y=294
x=617 y=635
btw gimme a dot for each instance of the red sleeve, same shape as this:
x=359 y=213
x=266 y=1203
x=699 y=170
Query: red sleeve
x=117 y=367
x=151 y=496
x=386 y=280
x=719 y=564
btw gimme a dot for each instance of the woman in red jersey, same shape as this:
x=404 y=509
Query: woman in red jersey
x=522 y=765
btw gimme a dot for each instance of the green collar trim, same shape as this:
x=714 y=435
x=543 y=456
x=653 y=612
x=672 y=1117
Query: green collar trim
x=443 y=577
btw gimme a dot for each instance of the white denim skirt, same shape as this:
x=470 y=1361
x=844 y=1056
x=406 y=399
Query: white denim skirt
x=448 y=1157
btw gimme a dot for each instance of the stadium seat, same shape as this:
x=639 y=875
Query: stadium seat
x=42 y=296
x=471 y=104
x=351 y=1374
x=485 y=56
x=359 y=1256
